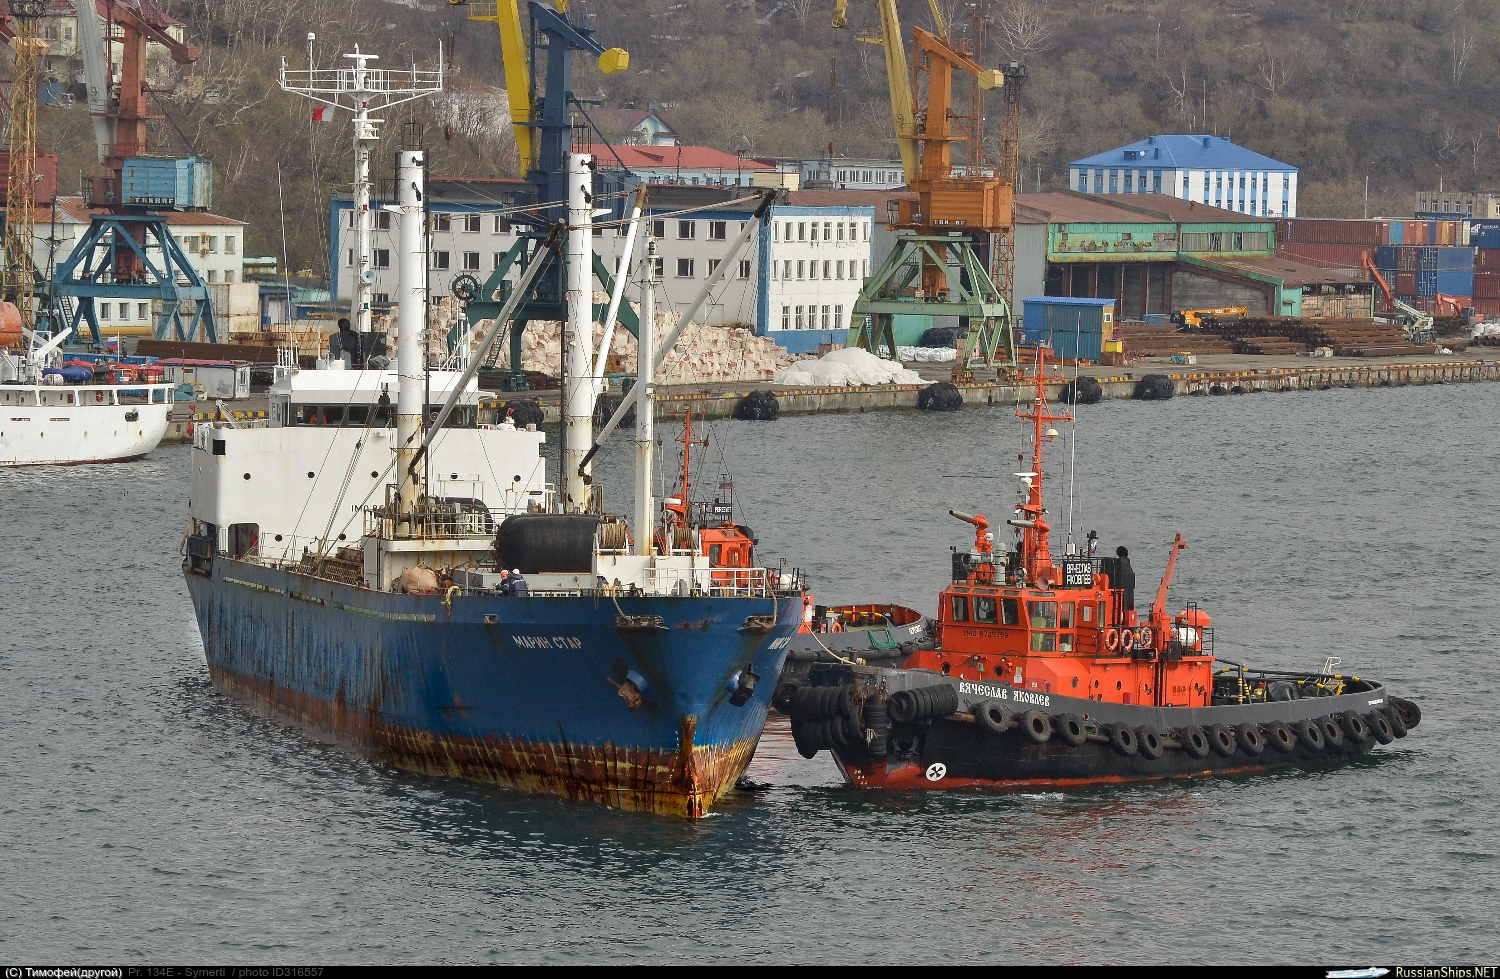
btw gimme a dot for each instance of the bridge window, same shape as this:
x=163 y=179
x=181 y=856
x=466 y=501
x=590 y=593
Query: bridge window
x=1044 y=642
x=960 y=608
x=984 y=609
x=1010 y=611
x=1043 y=614
x=1065 y=615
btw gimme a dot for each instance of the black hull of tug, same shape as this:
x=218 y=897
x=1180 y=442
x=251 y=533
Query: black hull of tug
x=984 y=742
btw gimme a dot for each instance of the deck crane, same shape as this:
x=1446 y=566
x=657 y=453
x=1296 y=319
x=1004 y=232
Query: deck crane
x=544 y=135
x=128 y=251
x=934 y=270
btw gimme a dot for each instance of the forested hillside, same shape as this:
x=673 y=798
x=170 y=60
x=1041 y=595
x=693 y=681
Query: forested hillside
x=1404 y=92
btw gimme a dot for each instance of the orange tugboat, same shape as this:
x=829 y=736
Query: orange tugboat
x=1044 y=673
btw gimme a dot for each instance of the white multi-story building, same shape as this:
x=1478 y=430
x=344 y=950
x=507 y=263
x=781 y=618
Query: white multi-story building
x=796 y=281
x=852 y=174
x=213 y=245
x=1206 y=169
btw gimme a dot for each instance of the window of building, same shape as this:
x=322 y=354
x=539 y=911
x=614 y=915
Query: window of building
x=380 y=298
x=801 y=270
x=718 y=230
x=801 y=230
x=350 y=259
x=440 y=260
x=471 y=222
x=104 y=310
x=229 y=275
x=812 y=270
x=841 y=231
x=864 y=269
x=658 y=229
x=853 y=231
x=1129 y=182
x=442 y=222
x=838 y=317
x=382 y=258
x=684 y=268
x=229 y=244
x=713 y=266
x=213 y=244
x=471 y=261
x=744 y=268
x=500 y=226
x=598 y=231
x=827 y=230
x=495 y=258
x=213 y=276
x=661 y=264
x=799 y=317
x=1156 y=183
x=826 y=269
x=687 y=230
x=825 y=317
x=1083 y=182
x=786 y=317
x=786 y=269
x=142 y=311
x=838 y=269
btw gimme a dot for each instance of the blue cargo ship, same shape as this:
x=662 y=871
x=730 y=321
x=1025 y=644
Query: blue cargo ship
x=373 y=563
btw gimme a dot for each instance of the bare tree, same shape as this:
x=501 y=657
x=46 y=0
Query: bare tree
x=1274 y=68
x=1479 y=150
x=801 y=9
x=1022 y=28
x=1462 y=49
x=1179 y=90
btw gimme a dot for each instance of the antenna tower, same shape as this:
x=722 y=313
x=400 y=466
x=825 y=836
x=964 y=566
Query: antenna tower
x=361 y=89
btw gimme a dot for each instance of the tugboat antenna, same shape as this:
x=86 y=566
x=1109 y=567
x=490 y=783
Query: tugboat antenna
x=1073 y=428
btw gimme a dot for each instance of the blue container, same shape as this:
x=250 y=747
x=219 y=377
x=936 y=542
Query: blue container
x=1427 y=283
x=1488 y=238
x=1073 y=327
x=1385 y=256
x=1427 y=259
x=1455 y=259
x=1455 y=283
x=178 y=185
x=1398 y=229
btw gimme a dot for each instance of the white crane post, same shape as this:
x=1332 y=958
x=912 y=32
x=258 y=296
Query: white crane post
x=409 y=325
x=366 y=138
x=91 y=46
x=578 y=368
x=645 y=506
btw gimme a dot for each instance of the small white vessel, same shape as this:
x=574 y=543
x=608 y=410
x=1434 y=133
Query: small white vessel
x=46 y=421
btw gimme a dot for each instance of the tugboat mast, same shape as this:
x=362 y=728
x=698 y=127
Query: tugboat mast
x=1030 y=517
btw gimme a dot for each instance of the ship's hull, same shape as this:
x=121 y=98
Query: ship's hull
x=960 y=750
x=39 y=427
x=521 y=692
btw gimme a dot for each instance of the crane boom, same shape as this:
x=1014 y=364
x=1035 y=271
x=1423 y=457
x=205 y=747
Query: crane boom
x=91 y=48
x=507 y=17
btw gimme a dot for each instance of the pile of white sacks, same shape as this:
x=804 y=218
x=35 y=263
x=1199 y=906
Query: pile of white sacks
x=849 y=367
x=703 y=353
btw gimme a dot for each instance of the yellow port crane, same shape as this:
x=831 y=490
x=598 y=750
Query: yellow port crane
x=898 y=74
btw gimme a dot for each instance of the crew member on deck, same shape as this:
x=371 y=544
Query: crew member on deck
x=1127 y=577
x=518 y=586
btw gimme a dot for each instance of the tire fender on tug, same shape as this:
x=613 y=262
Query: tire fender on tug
x=1281 y=737
x=1380 y=726
x=1150 y=742
x=1036 y=726
x=1249 y=737
x=1070 y=729
x=1333 y=731
x=1398 y=723
x=1194 y=741
x=1354 y=725
x=1310 y=733
x=996 y=719
x=1222 y=740
x=1122 y=738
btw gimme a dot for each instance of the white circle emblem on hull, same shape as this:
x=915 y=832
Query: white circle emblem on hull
x=936 y=771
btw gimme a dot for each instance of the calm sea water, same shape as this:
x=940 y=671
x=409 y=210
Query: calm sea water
x=143 y=818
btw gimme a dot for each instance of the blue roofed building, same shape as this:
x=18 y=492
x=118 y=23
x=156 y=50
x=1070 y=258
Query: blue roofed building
x=1204 y=169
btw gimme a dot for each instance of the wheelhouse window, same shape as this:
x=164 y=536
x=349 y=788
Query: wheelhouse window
x=984 y=609
x=1010 y=611
x=1044 y=642
x=960 y=608
x=1065 y=615
x=1085 y=613
x=1043 y=614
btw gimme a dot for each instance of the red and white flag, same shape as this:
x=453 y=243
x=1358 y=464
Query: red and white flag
x=323 y=113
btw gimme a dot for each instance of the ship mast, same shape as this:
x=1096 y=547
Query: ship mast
x=1030 y=517
x=411 y=315
x=645 y=347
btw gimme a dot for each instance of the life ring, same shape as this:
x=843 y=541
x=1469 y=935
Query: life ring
x=1144 y=638
x=1127 y=640
x=1112 y=640
x=98 y=397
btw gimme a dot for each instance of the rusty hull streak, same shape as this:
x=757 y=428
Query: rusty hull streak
x=686 y=782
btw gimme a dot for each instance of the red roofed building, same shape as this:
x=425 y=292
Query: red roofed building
x=691 y=165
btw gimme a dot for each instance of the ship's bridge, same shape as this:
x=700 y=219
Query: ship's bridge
x=339 y=397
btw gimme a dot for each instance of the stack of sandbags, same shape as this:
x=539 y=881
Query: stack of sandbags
x=702 y=354
x=850 y=367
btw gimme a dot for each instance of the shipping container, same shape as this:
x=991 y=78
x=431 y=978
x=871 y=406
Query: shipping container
x=1455 y=283
x=1487 y=307
x=1324 y=255
x=1425 y=304
x=1427 y=259
x=1487 y=258
x=1385 y=257
x=1455 y=259
x=1488 y=239
x=182 y=185
x=1427 y=283
x=1331 y=231
x=46 y=168
x=1406 y=283
x=1487 y=285
x=1075 y=328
